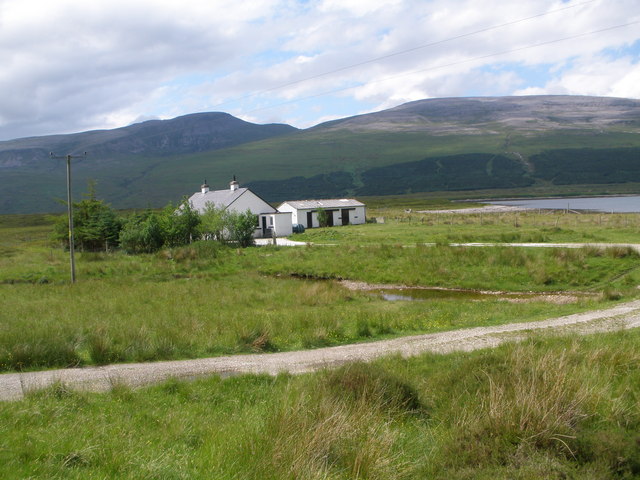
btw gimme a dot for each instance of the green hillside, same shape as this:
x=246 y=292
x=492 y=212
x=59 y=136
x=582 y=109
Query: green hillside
x=443 y=145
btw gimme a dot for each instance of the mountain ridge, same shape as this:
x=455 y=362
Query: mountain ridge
x=520 y=109
x=422 y=146
x=192 y=133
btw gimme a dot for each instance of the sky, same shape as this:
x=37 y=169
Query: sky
x=75 y=65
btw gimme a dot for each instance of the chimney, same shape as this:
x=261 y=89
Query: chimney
x=204 y=187
x=233 y=185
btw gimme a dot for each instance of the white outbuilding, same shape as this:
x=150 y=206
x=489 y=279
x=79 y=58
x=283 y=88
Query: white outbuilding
x=344 y=211
x=270 y=222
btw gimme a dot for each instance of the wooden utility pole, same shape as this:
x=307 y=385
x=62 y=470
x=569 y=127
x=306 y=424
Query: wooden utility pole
x=72 y=259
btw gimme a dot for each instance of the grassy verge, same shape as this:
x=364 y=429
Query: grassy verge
x=410 y=227
x=562 y=408
x=205 y=300
x=490 y=268
x=99 y=322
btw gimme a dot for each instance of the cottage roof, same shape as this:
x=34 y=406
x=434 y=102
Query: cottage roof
x=329 y=203
x=221 y=198
x=224 y=199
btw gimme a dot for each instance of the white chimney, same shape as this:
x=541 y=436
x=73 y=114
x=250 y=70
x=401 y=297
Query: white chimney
x=233 y=185
x=204 y=187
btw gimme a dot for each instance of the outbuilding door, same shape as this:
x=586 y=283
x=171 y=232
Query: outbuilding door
x=309 y=220
x=345 y=216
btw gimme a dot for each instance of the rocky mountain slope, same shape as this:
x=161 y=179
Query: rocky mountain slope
x=481 y=115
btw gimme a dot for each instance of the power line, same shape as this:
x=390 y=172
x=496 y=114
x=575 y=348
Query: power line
x=401 y=52
x=451 y=64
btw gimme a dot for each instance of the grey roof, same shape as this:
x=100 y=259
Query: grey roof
x=221 y=198
x=329 y=203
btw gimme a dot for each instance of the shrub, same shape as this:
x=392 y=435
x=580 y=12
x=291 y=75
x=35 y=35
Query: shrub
x=229 y=227
x=142 y=233
x=180 y=225
x=323 y=217
x=242 y=226
x=150 y=231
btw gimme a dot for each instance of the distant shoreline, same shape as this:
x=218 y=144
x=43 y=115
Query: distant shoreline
x=553 y=197
x=485 y=209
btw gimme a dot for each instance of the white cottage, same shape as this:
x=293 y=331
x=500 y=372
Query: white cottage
x=240 y=200
x=345 y=211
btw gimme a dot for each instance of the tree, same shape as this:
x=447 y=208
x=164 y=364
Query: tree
x=180 y=225
x=323 y=217
x=142 y=233
x=96 y=224
x=243 y=226
x=215 y=223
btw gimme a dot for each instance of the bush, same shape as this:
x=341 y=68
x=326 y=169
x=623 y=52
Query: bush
x=323 y=217
x=180 y=225
x=242 y=227
x=150 y=231
x=142 y=234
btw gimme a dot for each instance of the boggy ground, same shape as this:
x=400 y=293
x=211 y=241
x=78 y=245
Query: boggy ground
x=557 y=408
x=205 y=300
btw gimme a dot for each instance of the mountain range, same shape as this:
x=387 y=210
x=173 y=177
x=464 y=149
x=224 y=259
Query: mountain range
x=433 y=145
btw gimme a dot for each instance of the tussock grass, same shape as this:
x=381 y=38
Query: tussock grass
x=489 y=268
x=553 y=408
x=101 y=322
x=205 y=299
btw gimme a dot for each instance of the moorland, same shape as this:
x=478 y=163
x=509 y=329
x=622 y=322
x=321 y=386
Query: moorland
x=561 y=407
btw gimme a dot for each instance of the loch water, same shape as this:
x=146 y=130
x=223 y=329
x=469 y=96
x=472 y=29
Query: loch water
x=620 y=204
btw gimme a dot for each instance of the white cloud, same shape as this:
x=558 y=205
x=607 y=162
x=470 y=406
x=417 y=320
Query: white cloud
x=597 y=75
x=69 y=65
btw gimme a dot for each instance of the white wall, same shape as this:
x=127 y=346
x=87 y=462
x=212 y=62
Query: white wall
x=282 y=223
x=285 y=207
x=249 y=200
x=357 y=215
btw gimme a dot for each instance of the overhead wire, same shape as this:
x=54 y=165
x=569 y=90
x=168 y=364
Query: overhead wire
x=451 y=64
x=401 y=52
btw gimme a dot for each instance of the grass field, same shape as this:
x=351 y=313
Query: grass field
x=407 y=226
x=557 y=408
x=205 y=300
x=563 y=408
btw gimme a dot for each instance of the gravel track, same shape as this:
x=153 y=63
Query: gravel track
x=13 y=386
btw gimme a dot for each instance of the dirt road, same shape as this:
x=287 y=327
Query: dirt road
x=13 y=386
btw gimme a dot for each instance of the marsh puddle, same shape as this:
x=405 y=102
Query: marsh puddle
x=422 y=294
x=413 y=294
